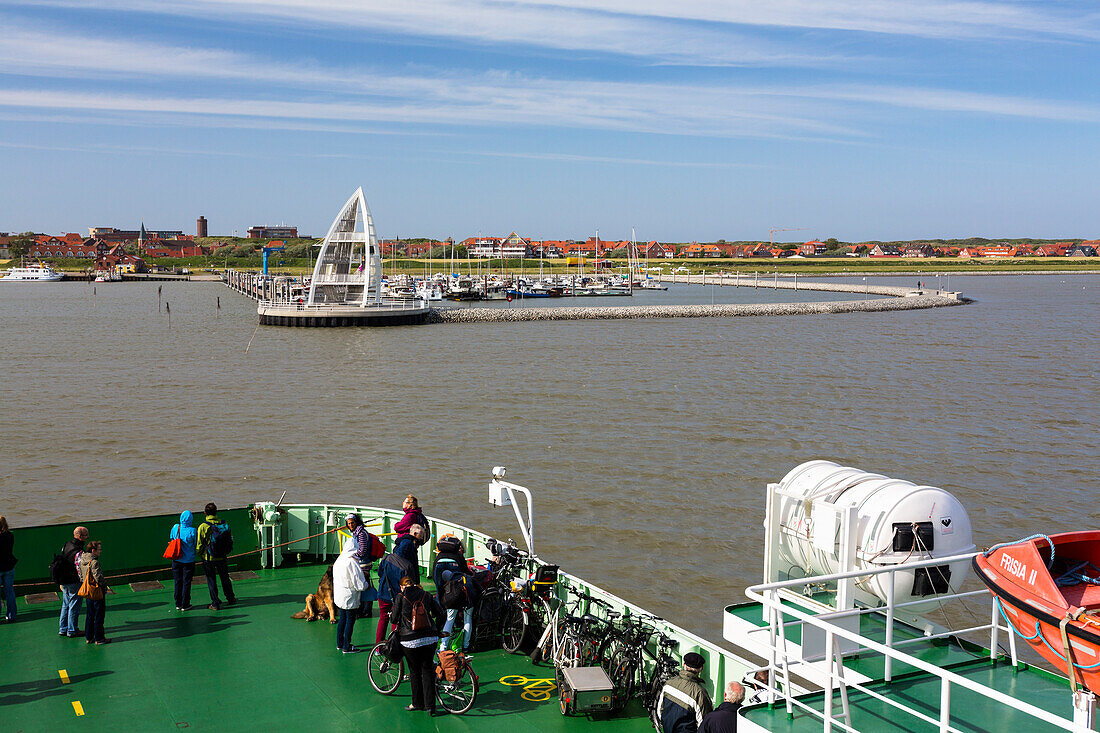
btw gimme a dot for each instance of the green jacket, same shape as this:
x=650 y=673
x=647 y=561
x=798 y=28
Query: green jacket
x=204 y=536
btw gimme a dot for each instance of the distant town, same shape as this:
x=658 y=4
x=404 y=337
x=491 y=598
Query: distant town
x=133 y=250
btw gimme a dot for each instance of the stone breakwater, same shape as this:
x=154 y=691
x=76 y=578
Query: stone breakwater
x=484 y=315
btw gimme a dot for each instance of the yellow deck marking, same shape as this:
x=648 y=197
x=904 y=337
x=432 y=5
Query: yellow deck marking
x=534 y=689
x=64 y=676
x=78 y=708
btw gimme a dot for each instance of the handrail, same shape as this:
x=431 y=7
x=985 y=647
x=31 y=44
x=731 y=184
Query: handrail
x=767 y=594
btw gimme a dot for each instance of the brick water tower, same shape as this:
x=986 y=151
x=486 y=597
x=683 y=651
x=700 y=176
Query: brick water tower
x=200 y=227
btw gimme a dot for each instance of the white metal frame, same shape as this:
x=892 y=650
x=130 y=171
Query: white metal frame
x=354 y=211
x=502 y=493
x=777 y=603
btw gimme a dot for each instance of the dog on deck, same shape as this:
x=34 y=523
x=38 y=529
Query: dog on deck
x=320 y=604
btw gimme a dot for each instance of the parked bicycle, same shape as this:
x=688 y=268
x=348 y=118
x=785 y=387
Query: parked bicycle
x=531 y=607
x=456 y=695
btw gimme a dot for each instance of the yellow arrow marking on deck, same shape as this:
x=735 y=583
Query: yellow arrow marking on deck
x=64 y=676
x=78 y=708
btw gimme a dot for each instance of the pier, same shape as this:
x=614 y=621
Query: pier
x=276 y=294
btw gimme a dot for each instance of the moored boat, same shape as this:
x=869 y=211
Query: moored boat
x=38 y=272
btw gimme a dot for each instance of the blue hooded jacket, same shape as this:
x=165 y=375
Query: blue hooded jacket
x=189 y=537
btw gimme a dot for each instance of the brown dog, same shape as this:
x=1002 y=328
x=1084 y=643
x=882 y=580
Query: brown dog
x=320 y=604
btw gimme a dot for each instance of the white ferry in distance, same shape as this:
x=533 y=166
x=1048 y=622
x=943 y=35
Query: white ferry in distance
x=39 y=272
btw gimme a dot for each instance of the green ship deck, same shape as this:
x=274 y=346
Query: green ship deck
x=246 y=667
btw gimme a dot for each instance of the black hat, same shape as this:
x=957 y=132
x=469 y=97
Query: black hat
x=694 y=660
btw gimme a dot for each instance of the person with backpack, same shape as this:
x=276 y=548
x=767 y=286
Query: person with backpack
x=455 y=587
x=368 y=548
x=215 y=544
x=63 y=572
x=348 y=582
x=392 y=569
x=90 y=572
x=418 y=616
x=7 y=568
x=183 y=567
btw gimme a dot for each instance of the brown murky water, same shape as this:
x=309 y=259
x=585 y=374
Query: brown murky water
x=647 y=443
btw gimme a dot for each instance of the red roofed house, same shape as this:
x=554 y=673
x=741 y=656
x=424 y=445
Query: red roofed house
x=884 y=250
x=811 y=248
x=1052 y=250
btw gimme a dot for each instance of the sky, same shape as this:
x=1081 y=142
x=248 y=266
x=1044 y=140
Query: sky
x=688 y=120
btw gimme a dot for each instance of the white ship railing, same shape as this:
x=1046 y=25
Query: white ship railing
x=778 y=606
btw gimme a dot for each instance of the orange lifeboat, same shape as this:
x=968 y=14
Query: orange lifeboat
x=1048 y=590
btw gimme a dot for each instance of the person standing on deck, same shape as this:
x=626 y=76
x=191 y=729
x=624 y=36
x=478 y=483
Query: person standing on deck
x=97 y=602
x=365 y=542
x=69 y=582
x=214 y=545
x=684 y=701
x=413 y=515
x=348 y=582
x=724 y=717
x=418 y=616
x=392 y=570
x=183 y=567
x=7 y=569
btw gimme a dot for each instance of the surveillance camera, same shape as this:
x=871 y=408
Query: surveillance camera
x=499 y=471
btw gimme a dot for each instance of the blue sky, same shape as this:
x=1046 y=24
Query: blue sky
x=688 y=120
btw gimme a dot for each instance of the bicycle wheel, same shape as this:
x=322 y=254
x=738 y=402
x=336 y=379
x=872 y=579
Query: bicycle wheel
x=384 y=675
x=568 y=652
x=653 y=697
x=514 y=629
x=623 y=672
x=457 y=697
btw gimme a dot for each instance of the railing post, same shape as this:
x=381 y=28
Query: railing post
x=889 y=627
x=994 y=628
x=945 y=705
x=829 y=682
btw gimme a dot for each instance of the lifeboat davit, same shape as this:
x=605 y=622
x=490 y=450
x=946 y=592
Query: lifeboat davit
x=1048 y=589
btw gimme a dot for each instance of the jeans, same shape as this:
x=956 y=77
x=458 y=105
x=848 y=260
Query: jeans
x=344 y=626
x=7 y=591
x=220 y=566
x=421 y=664
x=70 y=609
x=182 y=573
x=93 y=624
x=467 y=625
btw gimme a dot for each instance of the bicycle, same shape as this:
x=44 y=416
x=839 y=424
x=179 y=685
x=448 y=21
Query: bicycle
x=665 y=667
x=455 y=696
x=529 y=607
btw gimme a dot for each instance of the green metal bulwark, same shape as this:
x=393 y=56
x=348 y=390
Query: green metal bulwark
x=129 y=546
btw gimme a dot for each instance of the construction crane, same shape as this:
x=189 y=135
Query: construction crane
x=272 y=248
x=773 y=230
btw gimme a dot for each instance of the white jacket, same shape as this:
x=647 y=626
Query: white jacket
x=347 y=580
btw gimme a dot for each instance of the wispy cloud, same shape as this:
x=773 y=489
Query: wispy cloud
x=508 y=25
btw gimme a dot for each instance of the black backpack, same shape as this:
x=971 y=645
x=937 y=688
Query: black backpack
x=456 y=592
x=219 y=540
x=58 y=571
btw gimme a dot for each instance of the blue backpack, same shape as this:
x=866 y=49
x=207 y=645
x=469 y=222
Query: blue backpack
x=219 y=540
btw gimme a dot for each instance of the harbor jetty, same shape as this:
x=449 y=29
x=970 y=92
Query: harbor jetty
x=483 y=315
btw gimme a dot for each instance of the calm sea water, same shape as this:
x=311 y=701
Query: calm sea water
x=648 y=444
